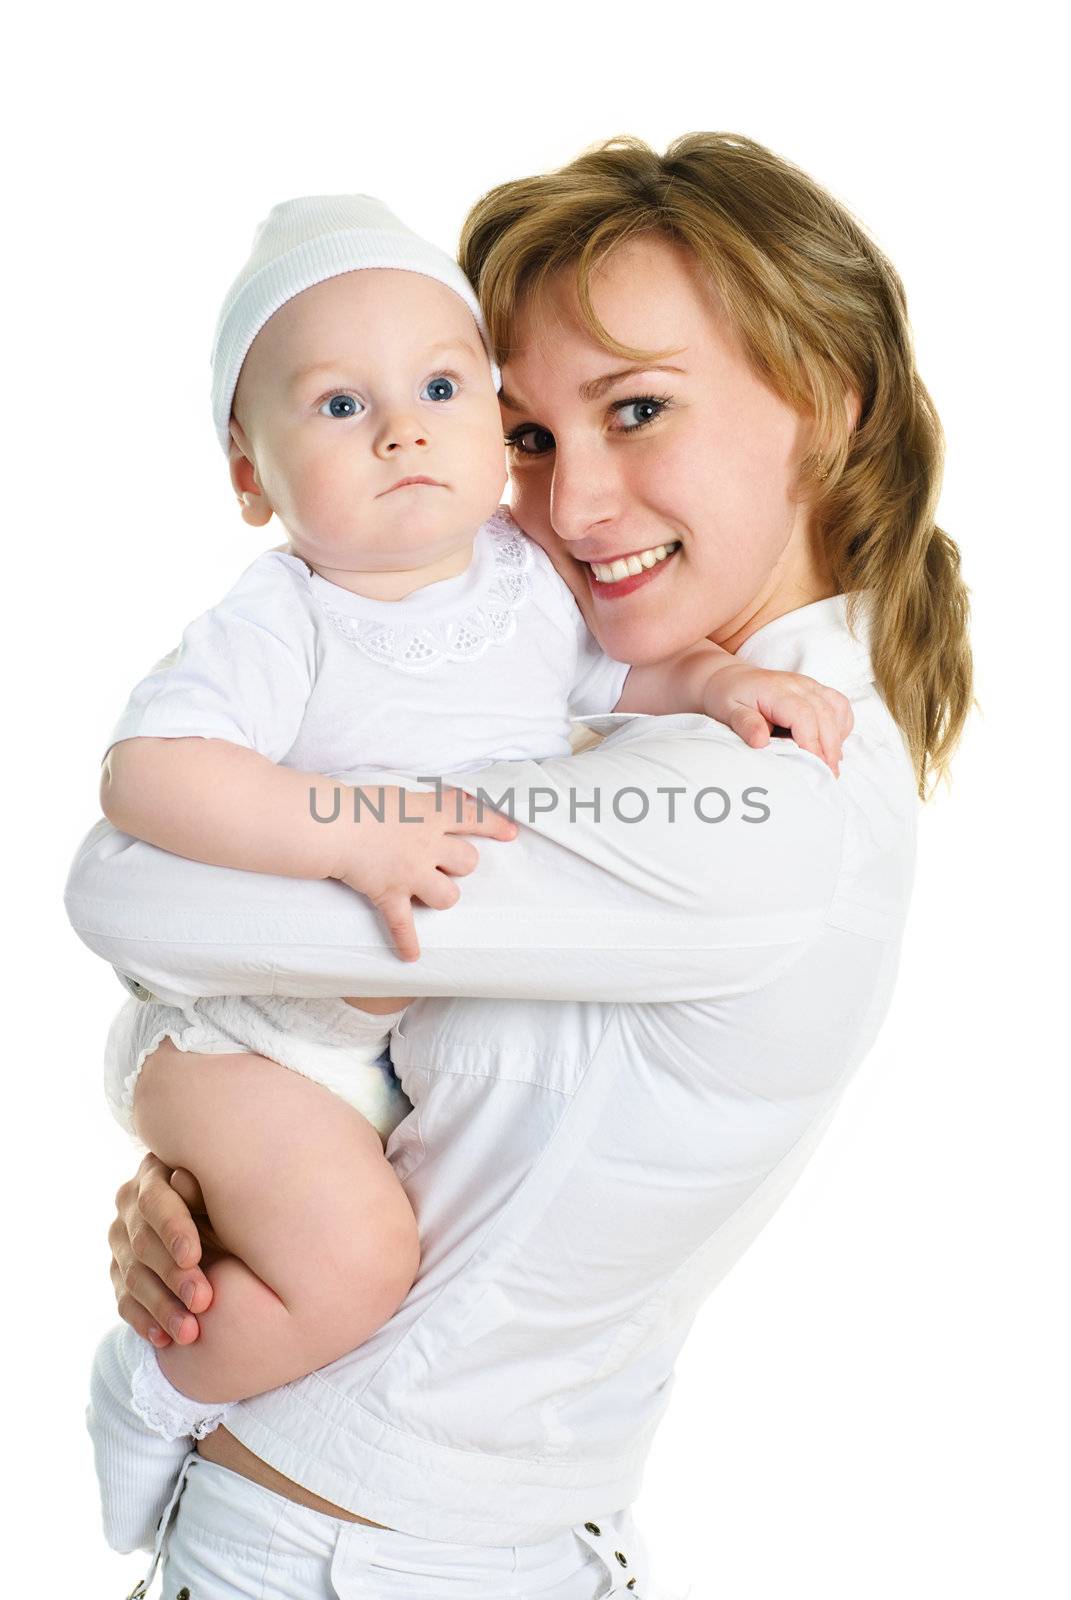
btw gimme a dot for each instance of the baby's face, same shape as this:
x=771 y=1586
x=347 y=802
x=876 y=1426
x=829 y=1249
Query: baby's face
x=354 y=385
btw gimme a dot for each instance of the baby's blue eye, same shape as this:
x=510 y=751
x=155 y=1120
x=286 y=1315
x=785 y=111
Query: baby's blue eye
x=439 y=389
x=341 y=405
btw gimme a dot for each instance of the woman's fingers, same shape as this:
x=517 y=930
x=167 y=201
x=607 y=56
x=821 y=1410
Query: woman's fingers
x=147 y=1304
x=132 y=1311
x=145 y=1272
x=166 y=1213
x=186 y=1186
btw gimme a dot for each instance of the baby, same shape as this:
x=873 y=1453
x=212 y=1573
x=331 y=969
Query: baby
x=407 y=628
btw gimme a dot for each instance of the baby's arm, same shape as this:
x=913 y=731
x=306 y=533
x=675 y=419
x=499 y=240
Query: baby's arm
x=221 y=803
x=229 y=806
x=750 y=700
x=193 y=768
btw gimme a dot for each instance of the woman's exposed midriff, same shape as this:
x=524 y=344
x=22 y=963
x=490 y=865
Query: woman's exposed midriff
x=225 y=1450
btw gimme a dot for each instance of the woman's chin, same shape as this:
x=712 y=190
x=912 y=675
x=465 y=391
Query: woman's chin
x=638 y=641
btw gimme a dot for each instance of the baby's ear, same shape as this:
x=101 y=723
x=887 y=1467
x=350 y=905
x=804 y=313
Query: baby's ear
x=256 y=509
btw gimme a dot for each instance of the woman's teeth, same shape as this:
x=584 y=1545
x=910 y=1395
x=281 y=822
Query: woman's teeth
x=629 y=566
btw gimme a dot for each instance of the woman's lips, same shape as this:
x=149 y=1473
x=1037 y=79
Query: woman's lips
x=624 y=586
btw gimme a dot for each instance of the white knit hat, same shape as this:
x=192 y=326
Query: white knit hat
x=302 y=242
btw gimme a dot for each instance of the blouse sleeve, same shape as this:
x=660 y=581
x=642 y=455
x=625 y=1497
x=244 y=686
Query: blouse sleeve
x=672 y=862
x=599 y=680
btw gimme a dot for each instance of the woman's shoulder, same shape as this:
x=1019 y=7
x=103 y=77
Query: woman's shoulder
x=775 y=822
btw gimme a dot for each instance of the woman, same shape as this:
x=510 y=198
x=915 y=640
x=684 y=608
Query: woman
x=650 y=1002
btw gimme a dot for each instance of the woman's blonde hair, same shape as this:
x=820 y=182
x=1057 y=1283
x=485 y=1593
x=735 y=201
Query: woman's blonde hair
x=822 y=315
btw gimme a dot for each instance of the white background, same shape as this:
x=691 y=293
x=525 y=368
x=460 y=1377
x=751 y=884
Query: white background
x=874 y=1404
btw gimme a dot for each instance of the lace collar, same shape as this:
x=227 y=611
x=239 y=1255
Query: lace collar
x=484 y=616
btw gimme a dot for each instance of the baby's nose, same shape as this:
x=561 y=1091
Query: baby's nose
x=400 y=432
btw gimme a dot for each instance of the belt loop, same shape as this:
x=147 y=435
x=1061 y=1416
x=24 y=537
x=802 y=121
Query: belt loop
x=141 y=1589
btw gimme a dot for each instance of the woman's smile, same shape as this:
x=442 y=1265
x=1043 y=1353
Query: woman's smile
x=611 y=580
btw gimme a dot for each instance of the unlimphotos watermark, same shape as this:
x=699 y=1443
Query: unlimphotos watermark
x=629 y=804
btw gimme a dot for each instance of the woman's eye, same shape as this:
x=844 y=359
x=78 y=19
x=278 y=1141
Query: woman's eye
x=439 y=389
x=341 y=405
x=539 y=441
x=643 y=409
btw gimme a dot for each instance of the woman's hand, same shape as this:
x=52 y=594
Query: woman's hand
x=161 y=1240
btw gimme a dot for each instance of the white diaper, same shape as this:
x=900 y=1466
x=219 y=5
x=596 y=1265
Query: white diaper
x=337 y=1045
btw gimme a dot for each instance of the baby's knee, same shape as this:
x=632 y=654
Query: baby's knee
x=365 y=1269
x=380 y=1248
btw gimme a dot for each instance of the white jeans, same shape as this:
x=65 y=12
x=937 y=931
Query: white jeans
x=224 y=1536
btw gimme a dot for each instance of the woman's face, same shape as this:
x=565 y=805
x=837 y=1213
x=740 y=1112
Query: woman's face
x=692 y=457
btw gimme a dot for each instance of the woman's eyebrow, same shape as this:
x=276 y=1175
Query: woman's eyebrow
x=595 y=388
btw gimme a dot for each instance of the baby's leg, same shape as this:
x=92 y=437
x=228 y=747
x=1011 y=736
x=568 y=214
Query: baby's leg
x=297 y=1186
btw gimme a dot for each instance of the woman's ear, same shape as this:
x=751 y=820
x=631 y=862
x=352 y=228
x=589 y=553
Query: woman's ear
x=256 y=508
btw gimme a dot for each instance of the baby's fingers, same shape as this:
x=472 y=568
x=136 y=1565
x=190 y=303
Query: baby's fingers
x=841 y=707
x=457 y=857
x=396 y=909
x=469 y=815
x=801 y=719
x=751 y=726
x=835 y=722
x=438 y=891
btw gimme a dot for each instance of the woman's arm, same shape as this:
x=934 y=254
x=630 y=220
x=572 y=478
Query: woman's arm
x=727 y=872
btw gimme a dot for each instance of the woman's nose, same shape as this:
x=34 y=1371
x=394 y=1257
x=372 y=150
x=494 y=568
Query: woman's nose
x=582 y=495
x=399 y=432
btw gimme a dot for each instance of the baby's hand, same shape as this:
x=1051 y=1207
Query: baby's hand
x=753 y=700
x=394 y=862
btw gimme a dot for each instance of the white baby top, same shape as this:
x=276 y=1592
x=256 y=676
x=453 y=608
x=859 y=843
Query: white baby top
x=486 y=666
x=645 y=1027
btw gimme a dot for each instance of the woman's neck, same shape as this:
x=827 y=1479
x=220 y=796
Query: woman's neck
x=800 y=578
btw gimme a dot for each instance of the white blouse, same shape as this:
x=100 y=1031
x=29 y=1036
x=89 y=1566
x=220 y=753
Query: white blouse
x=647 y=1025
x=485 y=666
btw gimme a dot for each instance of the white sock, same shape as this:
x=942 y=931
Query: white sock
x=165 y=1409
x=136 y=1467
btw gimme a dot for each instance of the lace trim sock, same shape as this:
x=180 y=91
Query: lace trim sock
x=165 y=1409
x=136 y=1468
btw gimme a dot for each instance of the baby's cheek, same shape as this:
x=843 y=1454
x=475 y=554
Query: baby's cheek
x=485 y=477
x=530 y=501
x=324 y=496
